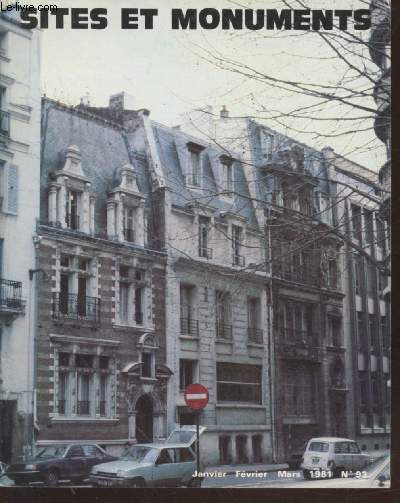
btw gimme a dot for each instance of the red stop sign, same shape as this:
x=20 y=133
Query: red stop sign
x=196 y=396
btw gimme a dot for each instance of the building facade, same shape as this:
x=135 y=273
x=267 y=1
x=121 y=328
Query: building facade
x=101 y=350
x=19 y=208
x=367 y=309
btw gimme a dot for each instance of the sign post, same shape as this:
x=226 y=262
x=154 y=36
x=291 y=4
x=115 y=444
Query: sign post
x=196 y=398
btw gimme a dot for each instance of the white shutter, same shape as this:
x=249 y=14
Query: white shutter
x=12 y=188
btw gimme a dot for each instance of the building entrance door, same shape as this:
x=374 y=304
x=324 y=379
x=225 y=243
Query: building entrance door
x=144 y=419
x=7 y=419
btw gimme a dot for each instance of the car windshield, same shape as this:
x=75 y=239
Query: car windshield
x=319 y=447
x=52 y=451
x=139 y=453
x=180 y=437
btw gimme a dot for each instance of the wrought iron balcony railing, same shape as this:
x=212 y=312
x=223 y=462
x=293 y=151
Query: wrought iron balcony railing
x=223 y=330
x=255 y=335
x=205 y=252
x=294 y=336
x=83 y=407
x=76 y=307
x=189 y=327
x=129 y=235
x=4 y=123
x=11 y=294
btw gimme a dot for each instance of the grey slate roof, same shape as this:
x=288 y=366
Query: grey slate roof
x=103 y=149
x=171 y=146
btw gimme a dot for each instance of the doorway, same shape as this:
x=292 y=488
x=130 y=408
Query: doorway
x=144 y=419
x=7 y=419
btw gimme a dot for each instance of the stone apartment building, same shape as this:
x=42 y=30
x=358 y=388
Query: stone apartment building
x=19 y=208
x=367 y=308
x=216 y=304
x=101 y=371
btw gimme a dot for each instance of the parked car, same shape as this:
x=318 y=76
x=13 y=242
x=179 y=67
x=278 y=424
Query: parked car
x=172 y=463
x=375 y=476
x=58 y=462
x=332 y=455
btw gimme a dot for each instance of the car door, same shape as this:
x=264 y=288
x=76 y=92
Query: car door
x=342 y=456
x=76 y=461
x=185 y=465
x=358 y=459
x=94 y=456
x=164 y=470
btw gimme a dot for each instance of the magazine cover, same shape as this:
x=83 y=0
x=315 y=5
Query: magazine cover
x=195 y=244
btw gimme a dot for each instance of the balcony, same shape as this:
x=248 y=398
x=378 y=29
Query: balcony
x=205 y=252
x=75 y=307
x=72 y=221
x=4 y=123
x=189 y=327
x=298 y=345
x=255 y=335
x=223 y=331
x=238 y=260
x=301 y=275
x=11 y=302
x=129 y=235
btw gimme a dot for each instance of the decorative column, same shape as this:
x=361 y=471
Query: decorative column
x=92 y=200
x=120 y=219
x=132 y=426
x=111 y=231
x=53 y=203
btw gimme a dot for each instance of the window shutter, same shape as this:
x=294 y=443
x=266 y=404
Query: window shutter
x=12 y=188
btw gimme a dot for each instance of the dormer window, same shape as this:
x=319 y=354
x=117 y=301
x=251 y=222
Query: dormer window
x=72 y=211
x=267 y=144
x=194 y=174
x=129 y=224
x=227 y=175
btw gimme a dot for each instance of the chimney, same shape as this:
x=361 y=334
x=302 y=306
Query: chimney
x=85 y=100
x=121 y=101
x=224 y=113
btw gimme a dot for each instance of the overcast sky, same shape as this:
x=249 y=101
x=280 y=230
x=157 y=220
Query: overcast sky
x=164 y=71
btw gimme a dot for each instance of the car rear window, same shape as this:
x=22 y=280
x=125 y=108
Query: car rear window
x=318 y=447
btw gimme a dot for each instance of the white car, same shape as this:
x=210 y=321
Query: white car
x=327 y=457
x=172 y=463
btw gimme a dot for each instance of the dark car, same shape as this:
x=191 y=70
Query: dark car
x=59 y=462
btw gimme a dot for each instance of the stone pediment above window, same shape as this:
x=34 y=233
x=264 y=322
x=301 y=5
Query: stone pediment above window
x=126 y=184
x=163 y=371
x=148 y=341
x=133 y=368
x=72 y=165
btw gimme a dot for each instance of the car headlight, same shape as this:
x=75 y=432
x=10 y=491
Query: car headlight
x=30 y=467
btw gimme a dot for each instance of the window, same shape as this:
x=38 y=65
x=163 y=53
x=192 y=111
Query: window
x=225 y=449
x=298 y=391
x=241 y=449
x=356 y=222
x=204 y=229
x=372 y=330
x=78 y=390
x=227 y=175
x=256 y=441
x=147 y=364
x=335 y=331
x=361 y=329
x=187 y=370
x=318 y=447
x=194 y=175
x=189 y=325
x=91 y=451
x=371 y=269
x=72 y=210
x=236 y=245
x=380 y=234
x=129 y=224
x=255 y=334
x=223 y=315
x=238 y=383
x=131 y=296
x=384 y=333
x=342 y=448
x=359 y=272
x=3 y=42
x=362 y=377
x=369 y=227
x=333 y=274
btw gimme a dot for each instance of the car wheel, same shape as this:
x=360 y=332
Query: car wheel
x=138 y=483
x=306 y=475
x=194 y=482
x=51 y=478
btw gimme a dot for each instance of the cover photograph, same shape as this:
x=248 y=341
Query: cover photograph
x=195 y=244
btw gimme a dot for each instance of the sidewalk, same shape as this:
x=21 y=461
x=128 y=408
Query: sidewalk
x=255 y=468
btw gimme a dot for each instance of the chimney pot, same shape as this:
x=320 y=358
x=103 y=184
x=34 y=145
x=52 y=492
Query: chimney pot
x=224 y=113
